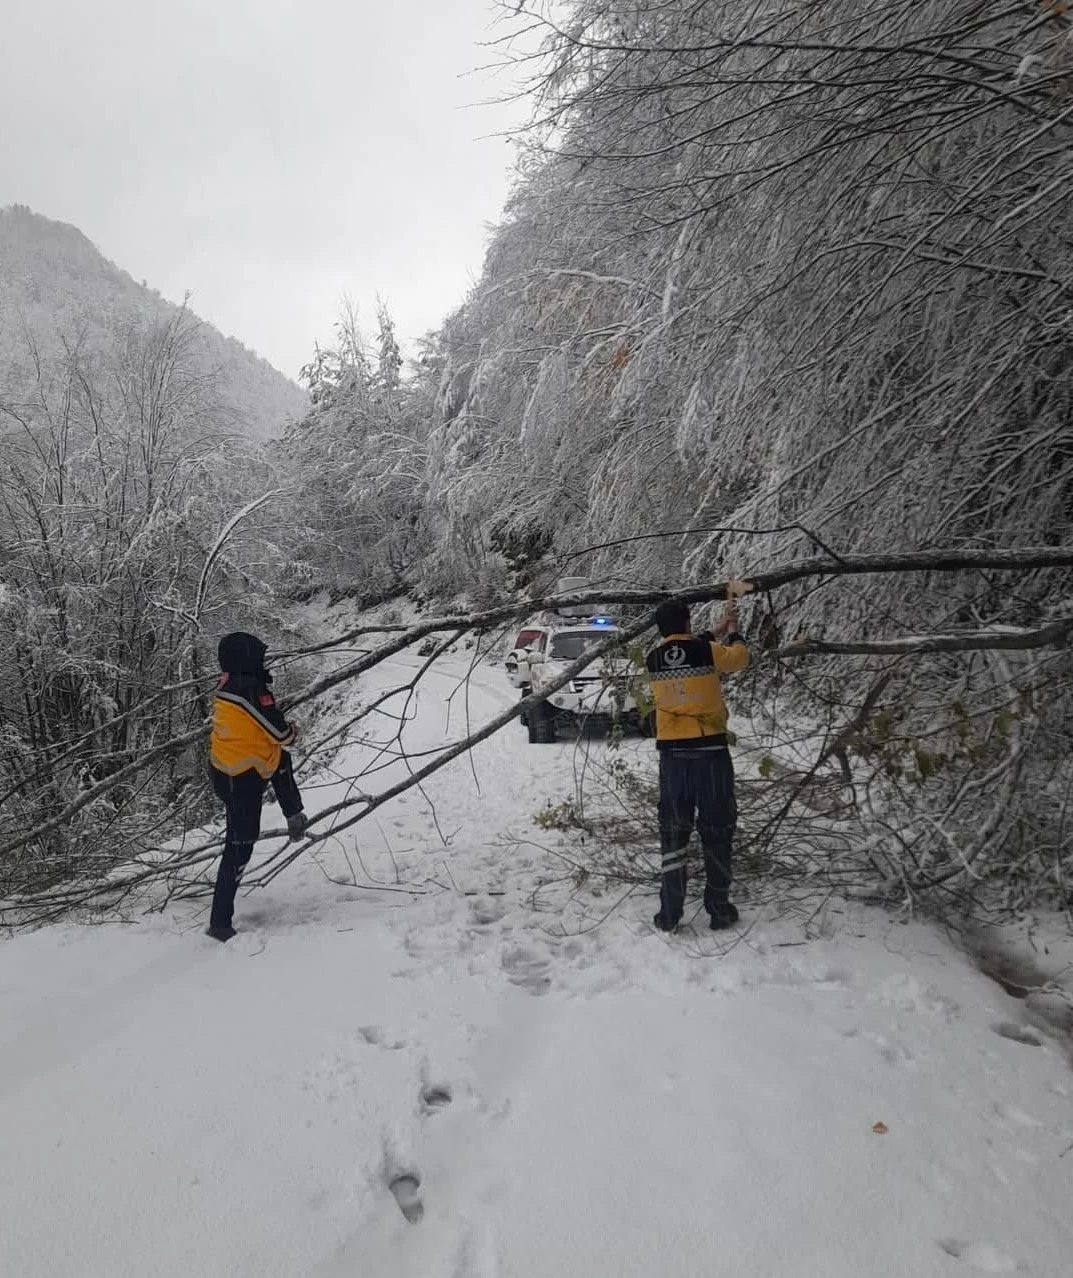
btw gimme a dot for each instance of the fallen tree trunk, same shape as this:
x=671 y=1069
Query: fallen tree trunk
x=997 y=638
x=832 y=565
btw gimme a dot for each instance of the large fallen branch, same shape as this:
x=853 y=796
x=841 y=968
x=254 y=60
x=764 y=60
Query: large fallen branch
x=969 y=641
x=369 y=803
x=144 y=874
x=1006 y=638
x=827 y=566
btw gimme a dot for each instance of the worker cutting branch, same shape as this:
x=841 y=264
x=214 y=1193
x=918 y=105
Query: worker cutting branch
x=696 y=774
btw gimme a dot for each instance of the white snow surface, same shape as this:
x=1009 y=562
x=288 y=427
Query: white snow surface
x=603 y=1103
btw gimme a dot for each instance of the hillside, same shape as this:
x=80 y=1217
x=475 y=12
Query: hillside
x=803 y=291
x=131 y=441
x=56 y=285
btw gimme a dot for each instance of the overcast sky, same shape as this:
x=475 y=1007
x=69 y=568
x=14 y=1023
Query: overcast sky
x=267 y=156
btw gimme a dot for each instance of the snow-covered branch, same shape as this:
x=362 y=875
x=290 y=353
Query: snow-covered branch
x=1009 y=639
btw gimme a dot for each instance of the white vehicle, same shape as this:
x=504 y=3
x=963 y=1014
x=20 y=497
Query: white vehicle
x=543 y=649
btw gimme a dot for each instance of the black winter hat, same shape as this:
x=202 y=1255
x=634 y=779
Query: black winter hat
x=241 y=653
x=672 y=618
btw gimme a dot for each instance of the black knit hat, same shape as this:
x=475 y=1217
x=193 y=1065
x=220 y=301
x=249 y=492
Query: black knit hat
x=241 y=653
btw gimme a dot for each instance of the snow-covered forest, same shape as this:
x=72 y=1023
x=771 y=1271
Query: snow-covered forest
x=774 y=284
x=127 y=428
x=775 y=281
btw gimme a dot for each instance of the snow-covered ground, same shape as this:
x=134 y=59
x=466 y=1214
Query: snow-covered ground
x=854 y=1101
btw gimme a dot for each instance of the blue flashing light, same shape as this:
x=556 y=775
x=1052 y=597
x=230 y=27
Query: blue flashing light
x=601 y=621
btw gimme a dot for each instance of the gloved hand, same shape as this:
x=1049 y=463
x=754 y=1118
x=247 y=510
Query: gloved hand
x=296 y=825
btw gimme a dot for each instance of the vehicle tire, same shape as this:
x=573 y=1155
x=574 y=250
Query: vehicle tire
x=541 y=724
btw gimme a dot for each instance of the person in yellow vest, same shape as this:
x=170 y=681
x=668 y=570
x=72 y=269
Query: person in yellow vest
x=247 y=750
x=696 y=775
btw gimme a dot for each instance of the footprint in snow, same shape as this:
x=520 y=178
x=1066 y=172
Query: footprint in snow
x=420 y=944
x=1010 y=1114
x=486 y=911
x=406 y=1188
x=1018 y=1033
x=892 y=1053
x=832 y=978
x=375 y=1036
x=983 y=1257
x=527 y=968
x=435 y=1096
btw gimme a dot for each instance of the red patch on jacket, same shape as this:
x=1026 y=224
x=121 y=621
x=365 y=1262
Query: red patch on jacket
x=266 y=699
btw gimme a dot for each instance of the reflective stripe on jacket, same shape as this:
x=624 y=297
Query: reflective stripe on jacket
x=684 y=672
x=248 y=730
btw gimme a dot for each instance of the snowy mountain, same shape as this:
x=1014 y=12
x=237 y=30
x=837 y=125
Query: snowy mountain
x=55 y=285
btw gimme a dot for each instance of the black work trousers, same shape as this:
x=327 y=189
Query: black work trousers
x=696 y=790
x=242 y=796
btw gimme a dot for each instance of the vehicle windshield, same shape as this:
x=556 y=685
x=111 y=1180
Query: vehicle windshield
x=575 y=643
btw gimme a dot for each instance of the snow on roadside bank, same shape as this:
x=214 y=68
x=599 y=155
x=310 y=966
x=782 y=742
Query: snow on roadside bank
x=608 y=1103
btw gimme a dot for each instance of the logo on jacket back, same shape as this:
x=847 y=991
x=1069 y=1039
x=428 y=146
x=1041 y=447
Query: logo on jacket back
x=674 y=656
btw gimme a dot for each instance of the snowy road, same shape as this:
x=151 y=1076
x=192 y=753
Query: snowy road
x=604 y=1105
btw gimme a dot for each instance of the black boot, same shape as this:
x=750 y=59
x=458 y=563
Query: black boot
x=723 y=915
x=664 y=924
x=221 y=933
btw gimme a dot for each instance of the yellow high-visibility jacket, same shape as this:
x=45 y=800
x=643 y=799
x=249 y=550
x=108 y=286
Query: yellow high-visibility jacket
x=684 y=672
x=249 y=731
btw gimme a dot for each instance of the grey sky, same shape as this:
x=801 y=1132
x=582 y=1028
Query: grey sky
x=266 y=155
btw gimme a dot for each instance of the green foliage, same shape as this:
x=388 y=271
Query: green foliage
x=568 y=815
x=927 y=764
x=637 y=786
x=902 y=754
x=640 y=684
